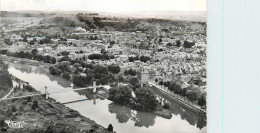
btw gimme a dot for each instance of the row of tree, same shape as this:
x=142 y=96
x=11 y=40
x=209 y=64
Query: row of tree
x=176 y=88
x=33 y=55
x=141 y=58
x=100 y=57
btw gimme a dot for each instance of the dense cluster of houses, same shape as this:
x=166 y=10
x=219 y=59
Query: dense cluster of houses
x=167 y=62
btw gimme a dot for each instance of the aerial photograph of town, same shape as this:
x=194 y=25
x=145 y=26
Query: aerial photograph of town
x=104 y=66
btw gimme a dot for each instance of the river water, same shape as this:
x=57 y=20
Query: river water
x=105 y=112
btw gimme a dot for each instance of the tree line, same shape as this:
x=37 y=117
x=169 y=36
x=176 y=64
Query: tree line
x=188 y=92
x=33 y=55
x=141 y=58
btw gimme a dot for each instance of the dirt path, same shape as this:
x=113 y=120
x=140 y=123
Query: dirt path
x=10 y=92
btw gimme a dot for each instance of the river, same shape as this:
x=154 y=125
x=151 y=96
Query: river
x=105 y=112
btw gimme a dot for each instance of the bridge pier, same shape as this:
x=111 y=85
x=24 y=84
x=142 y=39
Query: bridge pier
x=46 y=93
x=94 y=87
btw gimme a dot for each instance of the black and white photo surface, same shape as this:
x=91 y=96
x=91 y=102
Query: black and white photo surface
x=103 y=66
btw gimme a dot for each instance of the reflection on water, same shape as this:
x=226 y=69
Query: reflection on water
x=123 y=114
x=144 y=119
x=104 y=112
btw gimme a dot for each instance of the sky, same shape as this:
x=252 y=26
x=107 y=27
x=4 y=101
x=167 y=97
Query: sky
x=116 y=6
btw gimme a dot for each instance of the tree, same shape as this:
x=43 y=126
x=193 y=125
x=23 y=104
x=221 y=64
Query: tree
x=192 y=96
x=144 y=59
x=64 y=53
x=103 y=79
x=84 y=58
x=64 y=66
x=103 y=51
x=137 y=58
x=8 y=41
x=2 y=123
x=202 y=101
x=114 y=69
x=31 y=42
x=169 y=44
x=121 y=94
x=76 y=65
x=79 y=80
x=89 y=79
x=178 y=43
x=175 y=87
x=165 y=84
x=66 y=75
x=160 y=40
x=105 y=57
x=130 y=72
x=52 y=70
x=161 y=83
x=134 y=83
x=121 y=78
x=14 y=109
x=95 y=56
x=21 y=108
x=131 y=59
x=184 y=91
x=50 y=129
x=29 y=99
x=35 y=104
x=53 y=60
x=25 y=39
x=47 y=59
x=188 y=44
x=101 y=70
x=145 y=99
x=39 y=57
x=110 y=128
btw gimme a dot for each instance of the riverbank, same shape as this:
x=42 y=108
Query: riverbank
x=26 y=61
x=46 y=115
x=186 y=105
